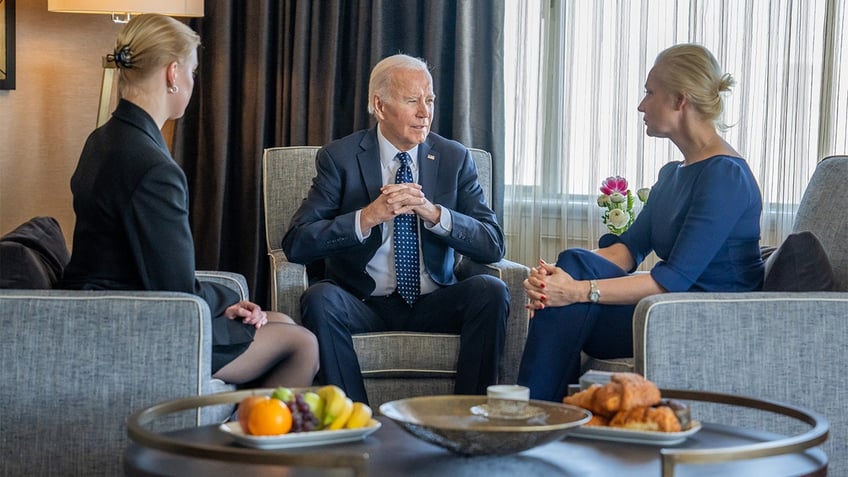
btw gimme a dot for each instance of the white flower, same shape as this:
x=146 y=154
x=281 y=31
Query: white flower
x=643 y=193
x=617 y=197
x=618 y=218
x=603 y=200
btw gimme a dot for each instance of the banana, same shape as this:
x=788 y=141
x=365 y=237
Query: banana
x=342 y=418
x=359 y=417
x=334 y=403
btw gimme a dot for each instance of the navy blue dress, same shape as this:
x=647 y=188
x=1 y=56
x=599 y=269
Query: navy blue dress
x=703 y=222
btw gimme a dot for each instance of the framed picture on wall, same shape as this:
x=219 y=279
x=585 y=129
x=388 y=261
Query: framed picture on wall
x=7 y=44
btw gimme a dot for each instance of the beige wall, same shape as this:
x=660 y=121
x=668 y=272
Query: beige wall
x=45 y=121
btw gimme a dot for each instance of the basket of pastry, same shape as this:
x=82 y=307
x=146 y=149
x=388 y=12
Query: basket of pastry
x=631 y=407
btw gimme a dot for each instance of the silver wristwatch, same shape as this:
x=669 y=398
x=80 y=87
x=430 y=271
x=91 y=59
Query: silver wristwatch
x=594 y=293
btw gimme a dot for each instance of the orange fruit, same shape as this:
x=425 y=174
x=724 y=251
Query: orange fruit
x=245 y=407
x=269 y=418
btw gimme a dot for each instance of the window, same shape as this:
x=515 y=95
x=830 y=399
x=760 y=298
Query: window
x=575 y=75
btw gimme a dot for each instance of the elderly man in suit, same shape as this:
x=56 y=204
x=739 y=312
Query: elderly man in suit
x=387 y=211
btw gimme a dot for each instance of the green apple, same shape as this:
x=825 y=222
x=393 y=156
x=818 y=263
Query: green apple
x=316 y=404
x=283 y=394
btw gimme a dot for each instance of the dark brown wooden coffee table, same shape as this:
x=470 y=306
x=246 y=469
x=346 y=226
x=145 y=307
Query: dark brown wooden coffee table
x=208 y=452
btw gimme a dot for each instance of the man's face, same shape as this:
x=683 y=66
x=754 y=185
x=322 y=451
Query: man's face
x=405 y=116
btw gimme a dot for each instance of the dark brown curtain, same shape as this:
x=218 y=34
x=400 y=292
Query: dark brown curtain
x=281 y=73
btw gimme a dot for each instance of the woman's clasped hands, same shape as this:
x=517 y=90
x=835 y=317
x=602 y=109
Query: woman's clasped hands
x=549 y=285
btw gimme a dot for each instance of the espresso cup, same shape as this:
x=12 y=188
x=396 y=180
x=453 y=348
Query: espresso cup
x=507 y=399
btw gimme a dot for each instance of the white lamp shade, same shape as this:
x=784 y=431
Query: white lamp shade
x=175 y=8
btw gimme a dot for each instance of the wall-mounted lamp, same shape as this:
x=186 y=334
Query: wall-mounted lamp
x=122 y=11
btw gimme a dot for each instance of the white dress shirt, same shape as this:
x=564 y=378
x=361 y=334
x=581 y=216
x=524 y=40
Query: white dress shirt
x=382 y=266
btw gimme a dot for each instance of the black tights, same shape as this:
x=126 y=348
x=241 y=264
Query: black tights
x=282 y=354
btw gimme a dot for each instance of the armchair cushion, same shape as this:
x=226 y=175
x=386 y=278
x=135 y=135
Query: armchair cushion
x=799 y=264
x=409 y=354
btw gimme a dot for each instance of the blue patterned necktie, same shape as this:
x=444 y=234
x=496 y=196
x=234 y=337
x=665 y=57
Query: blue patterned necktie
x=406 y=242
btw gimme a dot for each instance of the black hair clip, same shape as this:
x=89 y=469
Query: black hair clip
x=122 y=57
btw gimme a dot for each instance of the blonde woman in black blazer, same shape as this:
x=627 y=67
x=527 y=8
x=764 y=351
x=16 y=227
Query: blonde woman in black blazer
x=131 y=202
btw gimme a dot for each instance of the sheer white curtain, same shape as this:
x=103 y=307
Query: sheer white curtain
x=576 y=72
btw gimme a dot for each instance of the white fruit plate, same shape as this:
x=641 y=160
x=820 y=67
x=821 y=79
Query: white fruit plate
x=299 y=439
x=636 y=437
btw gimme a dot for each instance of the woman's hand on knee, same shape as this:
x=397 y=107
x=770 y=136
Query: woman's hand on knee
x=250 y=313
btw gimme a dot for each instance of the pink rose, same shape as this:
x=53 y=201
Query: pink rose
x=614 y=184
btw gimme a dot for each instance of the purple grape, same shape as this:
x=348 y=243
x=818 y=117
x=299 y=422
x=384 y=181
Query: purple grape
x=303 y=420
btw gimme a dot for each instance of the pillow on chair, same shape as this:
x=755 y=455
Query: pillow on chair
x=799 y=264
x=34 y=255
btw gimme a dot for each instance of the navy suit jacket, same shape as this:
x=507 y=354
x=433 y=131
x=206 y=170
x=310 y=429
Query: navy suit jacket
x=349 y=178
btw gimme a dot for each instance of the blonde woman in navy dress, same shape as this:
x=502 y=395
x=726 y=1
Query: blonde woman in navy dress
x=131 y=203
x=702 y=220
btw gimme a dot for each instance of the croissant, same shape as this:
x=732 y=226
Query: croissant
x=584 y=399
x=598 y=421
x=660 y=418
x=624 y=392
x=632 y=402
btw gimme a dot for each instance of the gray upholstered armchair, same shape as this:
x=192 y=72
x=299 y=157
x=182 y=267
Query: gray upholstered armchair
x=785 y=346
x=394 y=364
x=76 y=364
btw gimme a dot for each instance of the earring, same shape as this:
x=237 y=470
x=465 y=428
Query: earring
x=174 y=89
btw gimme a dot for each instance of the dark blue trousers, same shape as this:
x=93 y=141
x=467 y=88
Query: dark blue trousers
x=557 y=335
x=476 y=308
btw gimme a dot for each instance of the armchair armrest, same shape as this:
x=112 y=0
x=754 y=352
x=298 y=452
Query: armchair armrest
x=690 y=334
x=784 y=346
x=513 y=274
x=232 y=280
x=288 y=282
x=107 y=353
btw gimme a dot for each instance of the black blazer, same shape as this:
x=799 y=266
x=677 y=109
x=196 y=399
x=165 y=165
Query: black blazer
x=348 y=179
x=132 y=228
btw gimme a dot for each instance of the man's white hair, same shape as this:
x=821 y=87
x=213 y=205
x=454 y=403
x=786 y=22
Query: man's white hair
x=381 y=75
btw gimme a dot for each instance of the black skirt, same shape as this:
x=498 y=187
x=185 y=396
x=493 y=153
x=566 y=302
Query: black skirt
x=230 y=338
